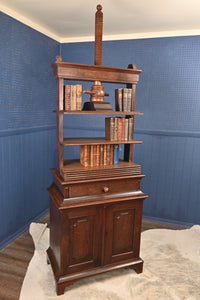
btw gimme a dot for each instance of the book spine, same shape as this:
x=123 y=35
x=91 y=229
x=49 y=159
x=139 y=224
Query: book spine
x=123 y=128
x=85 y=156
x=89 y=147
x=129 y=98
x=116 y=155
x=108 y=133
x=119 y=132
x=66 y=102
x=98 y=156
x=111 y=154
x=130 y=129
x=118 y=99
x=68 y=97
x=109 y=129
x=91 y=156
x=104 y=155
x=81 y=155
x=108 y=156
x=126 y=130
x=94 y=155
x=125 y=99
x=115 y=129
x=78 y=97
x=101 y=155
x=73 y=97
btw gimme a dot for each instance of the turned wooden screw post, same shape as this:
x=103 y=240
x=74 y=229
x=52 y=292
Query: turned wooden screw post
x=98 y=35
x=97 y=91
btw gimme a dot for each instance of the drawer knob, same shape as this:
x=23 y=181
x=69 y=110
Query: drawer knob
x=106 y=189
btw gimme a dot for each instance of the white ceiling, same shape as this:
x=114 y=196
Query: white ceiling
x=68 y=21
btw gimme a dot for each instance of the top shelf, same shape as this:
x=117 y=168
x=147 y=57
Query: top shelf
x=85 y=72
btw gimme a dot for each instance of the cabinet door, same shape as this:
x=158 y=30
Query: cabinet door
x=81 y=234
x=122 y=231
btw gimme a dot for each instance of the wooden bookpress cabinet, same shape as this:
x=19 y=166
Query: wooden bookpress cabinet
x=95 y=212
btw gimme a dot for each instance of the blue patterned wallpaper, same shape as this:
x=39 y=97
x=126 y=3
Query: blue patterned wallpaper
x=168 y=94
x=27 y=124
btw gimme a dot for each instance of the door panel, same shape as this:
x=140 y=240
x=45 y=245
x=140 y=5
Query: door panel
x=81 y=239
x=122 y=231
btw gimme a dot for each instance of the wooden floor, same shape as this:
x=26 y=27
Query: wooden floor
x=14 y=260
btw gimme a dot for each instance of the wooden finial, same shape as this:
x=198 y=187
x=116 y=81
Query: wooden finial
x=58 y=58
x=99 y=7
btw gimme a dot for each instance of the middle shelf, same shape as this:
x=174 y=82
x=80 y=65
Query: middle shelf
x=95 y=141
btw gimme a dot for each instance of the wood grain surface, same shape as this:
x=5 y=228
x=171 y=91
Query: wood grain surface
x=14 y=260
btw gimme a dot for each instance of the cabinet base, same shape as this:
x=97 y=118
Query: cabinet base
x=63 y=281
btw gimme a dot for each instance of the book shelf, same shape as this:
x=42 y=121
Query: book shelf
x=62 y=71
x=95 y=211
x=94 y=141
x=103 y=113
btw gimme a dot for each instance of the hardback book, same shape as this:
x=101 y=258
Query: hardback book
x=123 y=128
x=88 y=150
x=130 y=128
x=118 y=99
x=110 y=129
x=94 y=155
x=111 y=154
x=115 y=129
x=84 y=155
x=67 y=97
x=125 y=99
x=98 y=156
x=129 y=102
x=126 y=130
x=105 y=155
x=101 y=155
x=116 y=155
x=81 y=155
x=119 y=127
x=73 y=97
x=91 y=156
x=108 y=155
x=78 y=97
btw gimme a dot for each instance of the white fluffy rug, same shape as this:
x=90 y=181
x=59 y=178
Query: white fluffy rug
x=171 y=271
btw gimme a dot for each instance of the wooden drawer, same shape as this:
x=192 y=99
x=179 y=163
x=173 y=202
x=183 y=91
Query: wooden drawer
x=103 y=187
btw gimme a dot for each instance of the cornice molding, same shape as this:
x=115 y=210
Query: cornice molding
x=19 y=17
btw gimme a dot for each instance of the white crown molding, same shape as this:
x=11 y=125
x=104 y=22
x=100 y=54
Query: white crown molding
x=130 y=36
x=12 y=13
x=133 y=36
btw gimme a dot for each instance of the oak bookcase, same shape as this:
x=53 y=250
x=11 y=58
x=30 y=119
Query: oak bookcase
x=95 y=212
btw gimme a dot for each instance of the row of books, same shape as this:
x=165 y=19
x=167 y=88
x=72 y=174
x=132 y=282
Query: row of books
x=123 y=99
x=118 y=128
x=99 y=155
x=72 y=97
